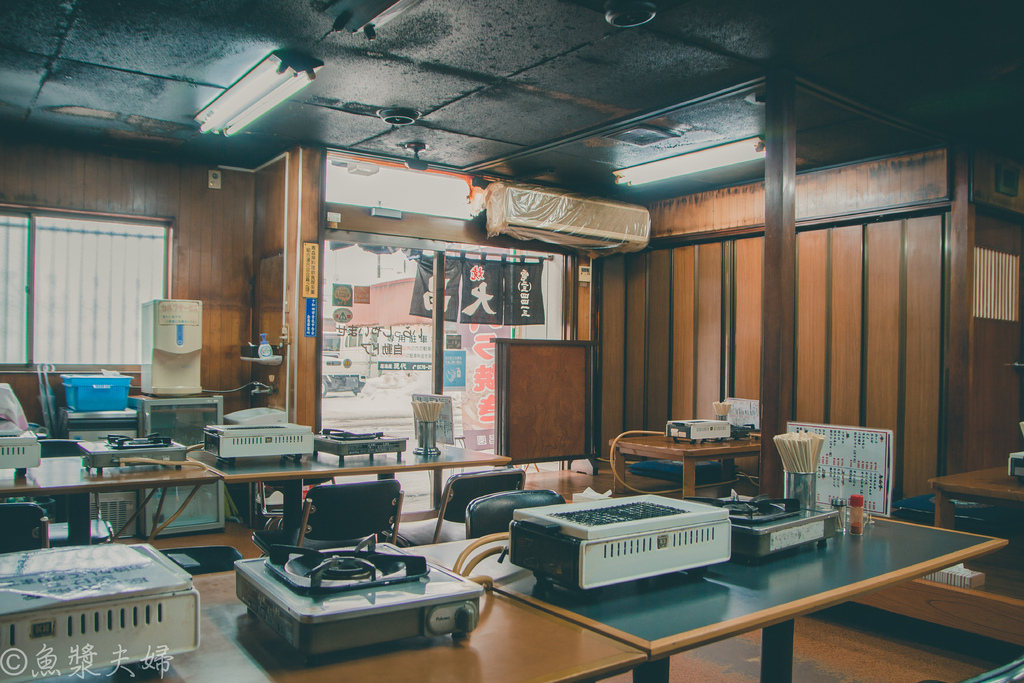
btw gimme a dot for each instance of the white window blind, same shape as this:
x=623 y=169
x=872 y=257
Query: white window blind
x=84 y=291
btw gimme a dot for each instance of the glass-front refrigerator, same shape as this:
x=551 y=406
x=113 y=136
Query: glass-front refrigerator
x=182 y=419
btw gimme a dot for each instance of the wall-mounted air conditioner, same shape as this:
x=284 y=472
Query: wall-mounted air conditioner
x=591 y=225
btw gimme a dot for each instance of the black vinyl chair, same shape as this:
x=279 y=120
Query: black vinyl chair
x=458 y=491
x=25 y=527
x=492 y=514
x=204 y=559
x=342 y=515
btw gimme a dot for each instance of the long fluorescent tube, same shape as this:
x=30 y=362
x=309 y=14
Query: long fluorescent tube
x=738 y=152
x=268 y=84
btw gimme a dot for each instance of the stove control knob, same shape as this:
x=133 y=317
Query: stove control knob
x=466 y=617
x=452 y=618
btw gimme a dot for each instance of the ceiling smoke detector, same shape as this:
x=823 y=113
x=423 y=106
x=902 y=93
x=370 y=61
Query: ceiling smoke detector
x=628 y=13
x=416 y=164
x=398 y=116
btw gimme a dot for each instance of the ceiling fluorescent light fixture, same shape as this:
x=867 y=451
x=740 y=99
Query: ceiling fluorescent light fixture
x=269 y=83
x=738 y=152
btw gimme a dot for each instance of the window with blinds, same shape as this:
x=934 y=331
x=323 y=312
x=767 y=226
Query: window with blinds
x=73 y=288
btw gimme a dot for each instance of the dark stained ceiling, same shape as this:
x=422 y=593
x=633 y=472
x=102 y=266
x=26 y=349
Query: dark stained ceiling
x=544 y=90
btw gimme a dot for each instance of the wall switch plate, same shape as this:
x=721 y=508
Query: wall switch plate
x=214 y=180
x=584 y=274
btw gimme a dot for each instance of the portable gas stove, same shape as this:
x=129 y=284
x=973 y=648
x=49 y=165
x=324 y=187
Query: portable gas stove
x=126 y=602
x=19 y=450
x=116 y=449
x=323 y=601
x=762 y=527
x=287 y=440
x=698 y=430
x=597 y=543
x=341 y=443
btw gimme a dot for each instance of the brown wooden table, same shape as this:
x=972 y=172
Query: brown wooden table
x=287 y=474
x=993 y=486
x=66 y=476
x=665 y=448
x=513 y=642
x=982 y=611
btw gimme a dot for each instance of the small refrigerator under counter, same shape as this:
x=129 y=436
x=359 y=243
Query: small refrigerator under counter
x=182 y=419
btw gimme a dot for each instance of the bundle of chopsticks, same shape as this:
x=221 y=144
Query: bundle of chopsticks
x=426 y=412
x=799 y=451
x=722 y=408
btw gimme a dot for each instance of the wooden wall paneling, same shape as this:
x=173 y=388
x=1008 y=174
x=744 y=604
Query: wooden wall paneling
x=995 y=384
x=610 y=275
x=747 y=364
x=659 y=342
x=310 y=202
x=984 y=181
x=882 y=370
x=636 y=340
x=709 y=329
x=864 y=187
x=811 y=326
x=923 y=354
x=684 y=340
x=847 y=261
x=960 y=289
x=268 y=241
x=208 y=230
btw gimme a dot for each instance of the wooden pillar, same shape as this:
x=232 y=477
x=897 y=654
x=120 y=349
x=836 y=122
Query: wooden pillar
x=779 y=274
x=960 y=251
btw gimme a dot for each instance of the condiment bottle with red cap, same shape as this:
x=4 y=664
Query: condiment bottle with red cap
x=856 y=514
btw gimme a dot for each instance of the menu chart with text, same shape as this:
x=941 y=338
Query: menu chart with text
x=445 y=422
x=745 y=411
x=853 y=460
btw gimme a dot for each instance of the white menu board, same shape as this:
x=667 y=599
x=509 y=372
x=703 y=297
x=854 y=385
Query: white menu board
x=853 y=460
x=745 y=411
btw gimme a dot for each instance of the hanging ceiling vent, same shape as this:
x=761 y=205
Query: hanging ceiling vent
x=628 y=13
x=643 y=135
x=398 y=116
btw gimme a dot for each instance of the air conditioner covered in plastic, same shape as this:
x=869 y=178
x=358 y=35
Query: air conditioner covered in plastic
x=594 y=226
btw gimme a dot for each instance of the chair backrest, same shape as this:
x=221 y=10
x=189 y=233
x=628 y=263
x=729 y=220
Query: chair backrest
x=460 y=489
x=492 y=514
x=25 y=527
x=344 y=514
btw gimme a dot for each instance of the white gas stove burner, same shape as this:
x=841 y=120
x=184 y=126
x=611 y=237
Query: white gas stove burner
x=420 y=599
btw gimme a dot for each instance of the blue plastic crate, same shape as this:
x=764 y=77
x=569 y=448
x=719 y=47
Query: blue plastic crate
x=96 y=392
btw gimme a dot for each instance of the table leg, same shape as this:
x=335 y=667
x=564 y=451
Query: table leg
x=652 y=671
x=777 y=653
x=945 y=511
x=291 y=489
x=79 y=519
x=619 y=466
x=689 y=478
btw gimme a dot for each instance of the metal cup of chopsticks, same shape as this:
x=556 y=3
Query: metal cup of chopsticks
x=426 y=414
x=799 y=452
x=722 y=409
